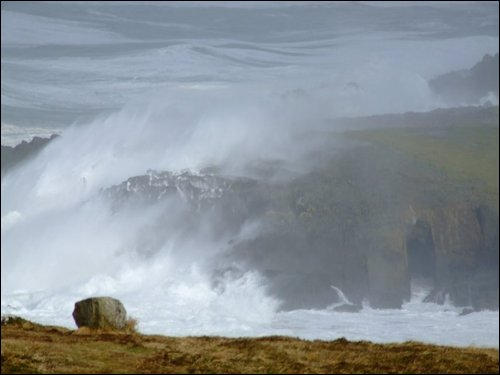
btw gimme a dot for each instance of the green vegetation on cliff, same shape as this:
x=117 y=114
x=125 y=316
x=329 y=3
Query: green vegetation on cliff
x=464 y=153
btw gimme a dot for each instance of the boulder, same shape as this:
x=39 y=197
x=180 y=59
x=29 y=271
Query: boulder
x=100 y=312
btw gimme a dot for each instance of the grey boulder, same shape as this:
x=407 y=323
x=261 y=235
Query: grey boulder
x=100 y=312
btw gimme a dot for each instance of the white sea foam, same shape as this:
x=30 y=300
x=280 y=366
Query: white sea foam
x=185 y=304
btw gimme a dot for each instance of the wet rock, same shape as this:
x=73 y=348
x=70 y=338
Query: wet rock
x=100 y=312
x=346 y=307
x=466 y=311
x=436 y=296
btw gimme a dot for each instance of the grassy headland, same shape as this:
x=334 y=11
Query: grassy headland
x=465 y=153
x=32 y=348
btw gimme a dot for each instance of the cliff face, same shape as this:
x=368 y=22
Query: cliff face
x=388 y=275
x=464 y=244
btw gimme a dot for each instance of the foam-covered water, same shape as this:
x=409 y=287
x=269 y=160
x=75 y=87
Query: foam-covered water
x=171 y=86
x=191 y=307
x=72 y=61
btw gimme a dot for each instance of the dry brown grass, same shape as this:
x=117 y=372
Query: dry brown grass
x=131 y=325
x=32 y=348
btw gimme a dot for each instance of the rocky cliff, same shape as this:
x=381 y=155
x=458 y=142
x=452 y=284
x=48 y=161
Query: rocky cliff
x=327 y=229
x=394 y=206
x=463 y=252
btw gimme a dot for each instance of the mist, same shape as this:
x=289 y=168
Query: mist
x=195 y=145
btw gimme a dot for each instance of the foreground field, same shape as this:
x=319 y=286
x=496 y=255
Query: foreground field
x=32 y=348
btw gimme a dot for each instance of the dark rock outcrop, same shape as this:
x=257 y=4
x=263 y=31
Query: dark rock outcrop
x=12 y=156
x=469 y=85
x=198 y=190
x=100 y=313
x=229 y=201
